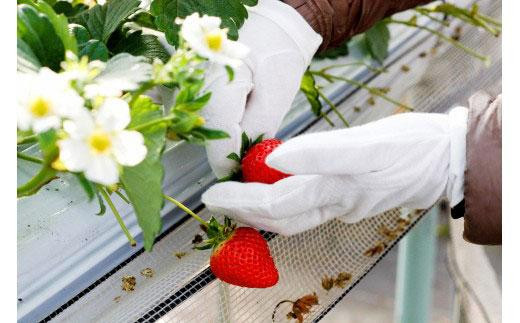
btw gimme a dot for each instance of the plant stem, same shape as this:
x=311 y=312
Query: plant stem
x=361 y=85
x=326 y=117
x=29 y=158
x=186 y=209
x=44 y=175
x=107 y=198
x=333 y=107
x=27 y=140
x=450 y=40
x=152 y=122
x=427 y=13
x=122 y=196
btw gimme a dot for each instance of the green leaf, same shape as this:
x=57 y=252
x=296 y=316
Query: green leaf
x=102 y=206
x=36 y=30
x=95 y=50
x=102 y=21
x=196 y=104
x=230 y=73
x=232 y=12
x=233 y=156
x=210 y=134
x=308 y=87
x=81 y=33
x=87 y=185
x=129 y=71
x=143 y=182
x=69 y=10
x=137 y=44
x=184 y=121
x=26 y=59
x=378 y=39
x=338 y=51
x=144 y=19
x=61 y=26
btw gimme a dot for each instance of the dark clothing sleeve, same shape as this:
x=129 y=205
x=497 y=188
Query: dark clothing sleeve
x=338 y=20
x=483 y=177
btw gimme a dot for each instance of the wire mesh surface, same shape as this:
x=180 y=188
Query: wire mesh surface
x=182 y=288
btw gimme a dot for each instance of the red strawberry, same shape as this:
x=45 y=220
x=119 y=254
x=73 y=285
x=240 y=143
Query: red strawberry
x=254 y=168
x=243 y=259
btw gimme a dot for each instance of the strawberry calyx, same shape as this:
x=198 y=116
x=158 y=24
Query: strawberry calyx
x=217 y=233
x=246 y=144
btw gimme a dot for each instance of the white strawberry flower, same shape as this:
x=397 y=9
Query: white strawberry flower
x=204 y=35
x=80 y=70
x=98 y=143
x=45 y=98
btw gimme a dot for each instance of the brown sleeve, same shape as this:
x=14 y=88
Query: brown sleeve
x=338 y=20
x=483 y=178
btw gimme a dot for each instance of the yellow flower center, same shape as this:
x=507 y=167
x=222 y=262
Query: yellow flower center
x=99 y=142
x=214 y=40
x=200 y=122
x=40 y=107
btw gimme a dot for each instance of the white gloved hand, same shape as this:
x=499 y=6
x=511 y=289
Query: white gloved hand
x=409 y=160
x=282 y=45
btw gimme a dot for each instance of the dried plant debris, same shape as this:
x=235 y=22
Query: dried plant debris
x=128 y=283
x=403 y=223
x=179 y=255
x=117 y=299
x=457 y=33
x=197 y=239
x=147 y=272
x=389 y=234
x=378 y=248
x=300 y=307
x=342 y=279
x=327 y=283
x=405 y=68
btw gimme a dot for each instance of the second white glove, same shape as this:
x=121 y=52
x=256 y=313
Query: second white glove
x=282 y=45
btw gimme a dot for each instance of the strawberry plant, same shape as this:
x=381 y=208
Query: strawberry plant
x=86 y=107
x=375 y=43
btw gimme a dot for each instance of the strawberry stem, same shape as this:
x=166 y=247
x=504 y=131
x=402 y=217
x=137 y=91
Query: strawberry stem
x=186 y=209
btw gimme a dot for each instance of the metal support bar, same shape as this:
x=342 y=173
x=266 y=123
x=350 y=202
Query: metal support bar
x=415 y=271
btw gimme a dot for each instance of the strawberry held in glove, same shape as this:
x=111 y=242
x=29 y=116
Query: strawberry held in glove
x=254 y=168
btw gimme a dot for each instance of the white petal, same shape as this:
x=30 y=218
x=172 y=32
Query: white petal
x=24 y=118
x=129 y=148
x=74 y=154
x=68 y=103
x=235 y=49
x=102 y=169
x=104 y=89
x=81 y=125
x=44 y=124
x=210 y=22
x=113 y=115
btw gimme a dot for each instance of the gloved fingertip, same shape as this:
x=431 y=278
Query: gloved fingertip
x=277 y=160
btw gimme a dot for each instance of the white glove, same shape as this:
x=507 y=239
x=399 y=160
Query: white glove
x=408 y=160
x=282 y=45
